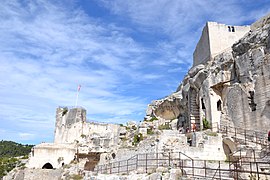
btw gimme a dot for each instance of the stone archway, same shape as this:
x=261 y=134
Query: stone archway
x=47 y=166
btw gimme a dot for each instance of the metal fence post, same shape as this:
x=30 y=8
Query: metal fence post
x=118 y=167
x=127 y=166
x=179 y=159
x=157 y=159
x=169 y=159
x=192 y=167
x=110 y=164
x=245 y=136
x=256 y=137
x=204 y=168
x=257 y=170
x=146 y=162
x=250 y=165
x=137 y=162
x=219 y=169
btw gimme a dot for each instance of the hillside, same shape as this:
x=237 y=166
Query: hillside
x=8 y=152
x=13 y=149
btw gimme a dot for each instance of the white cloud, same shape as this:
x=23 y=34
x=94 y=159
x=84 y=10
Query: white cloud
x=26 y=136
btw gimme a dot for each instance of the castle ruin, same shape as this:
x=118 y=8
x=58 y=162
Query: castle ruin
x=228 y=86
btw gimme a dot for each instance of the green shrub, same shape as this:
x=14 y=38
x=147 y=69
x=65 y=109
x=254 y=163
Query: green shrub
x=83 y=136
x=7 y=164
x=150 y=131
x=164 y=126
x=137 y=138
x=211 y=133
x=65 y=110
x=76 y=177
x=152 y=119
x=25 y=157
x=206 y=124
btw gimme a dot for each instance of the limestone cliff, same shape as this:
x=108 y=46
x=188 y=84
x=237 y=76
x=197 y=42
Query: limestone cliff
x=232 y=88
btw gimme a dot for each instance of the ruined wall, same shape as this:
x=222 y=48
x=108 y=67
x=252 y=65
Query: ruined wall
x=100 y=137
x=66 y=121
x=71 y=127
x=74 y=135
x=55 y=154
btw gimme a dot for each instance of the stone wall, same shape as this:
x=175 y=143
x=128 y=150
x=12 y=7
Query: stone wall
x=215 y=39
x=71 y=127
x=65 y=120
x=74 y=135
x=55 y=154
x=202 y=52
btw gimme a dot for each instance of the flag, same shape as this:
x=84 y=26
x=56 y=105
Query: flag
x=79 y=88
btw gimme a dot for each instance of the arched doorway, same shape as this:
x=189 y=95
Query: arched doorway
x=47 y=166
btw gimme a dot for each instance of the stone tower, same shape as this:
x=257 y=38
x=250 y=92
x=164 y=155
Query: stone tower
x=215 y=39
x=69 y=124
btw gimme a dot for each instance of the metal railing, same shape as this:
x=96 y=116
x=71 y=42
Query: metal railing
x=148 y=163
x=145 y=162
x=237 y=168
x=247 y=136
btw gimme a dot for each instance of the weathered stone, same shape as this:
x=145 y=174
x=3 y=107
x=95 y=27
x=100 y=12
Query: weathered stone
x=194 y=70
x=155 y=176
x=175 y=174
x=228 y=88
x=162 y=170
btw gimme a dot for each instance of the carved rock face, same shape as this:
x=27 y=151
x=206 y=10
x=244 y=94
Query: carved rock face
x=168 y=109
x=239 y=78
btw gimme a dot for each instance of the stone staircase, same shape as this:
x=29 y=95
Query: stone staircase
x=194 y=110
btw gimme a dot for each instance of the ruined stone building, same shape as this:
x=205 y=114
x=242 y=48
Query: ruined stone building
x=75 y=138
x=229 y=83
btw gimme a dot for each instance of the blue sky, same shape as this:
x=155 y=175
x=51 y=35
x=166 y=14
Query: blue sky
x=124 y=53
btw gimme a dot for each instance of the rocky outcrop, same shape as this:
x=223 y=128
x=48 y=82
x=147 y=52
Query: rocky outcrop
x=233 y=88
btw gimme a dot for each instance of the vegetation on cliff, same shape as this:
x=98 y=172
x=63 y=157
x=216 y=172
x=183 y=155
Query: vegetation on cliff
x=13 y=149
x=8 y=152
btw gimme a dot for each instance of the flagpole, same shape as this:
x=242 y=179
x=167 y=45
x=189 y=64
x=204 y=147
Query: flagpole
x=77 y=97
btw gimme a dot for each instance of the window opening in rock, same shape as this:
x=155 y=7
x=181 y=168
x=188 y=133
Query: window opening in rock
x=203 y=106
x=219 y=105
x=252 y=104
x=47 y=166
x=113 y=155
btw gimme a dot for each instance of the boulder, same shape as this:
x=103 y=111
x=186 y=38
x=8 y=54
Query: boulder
x=175 y=174
x=194 y=70
x=155 y=176
x=162 y=170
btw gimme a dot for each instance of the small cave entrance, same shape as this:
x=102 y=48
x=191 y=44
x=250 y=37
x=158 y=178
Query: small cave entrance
x=92 y=160
x=203 y=105
x=47 y=166
x=219 y=107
